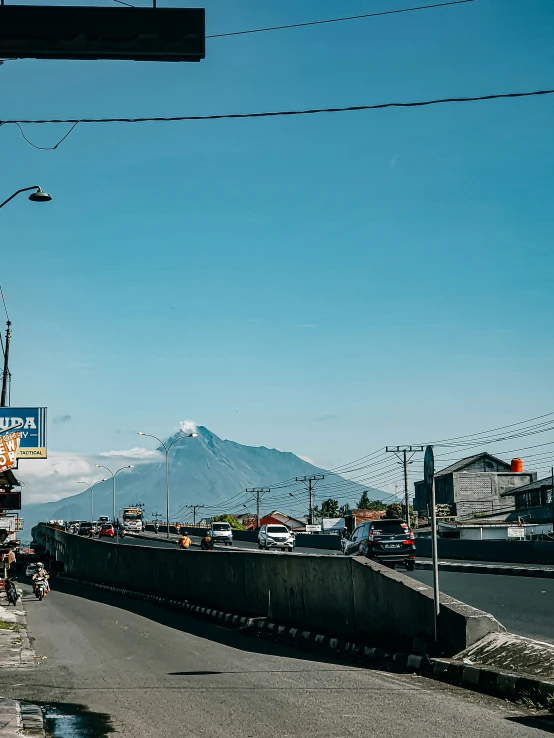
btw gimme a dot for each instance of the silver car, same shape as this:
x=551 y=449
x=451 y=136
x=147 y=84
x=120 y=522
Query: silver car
x=275 y=536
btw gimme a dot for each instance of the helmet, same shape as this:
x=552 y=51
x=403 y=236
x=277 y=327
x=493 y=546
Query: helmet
x=40 y=564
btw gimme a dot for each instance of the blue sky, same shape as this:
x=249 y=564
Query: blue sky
x=322 y=284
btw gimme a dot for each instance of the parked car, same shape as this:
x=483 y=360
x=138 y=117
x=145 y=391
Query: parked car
x=390 y=542
x=106 y=530
x=30 y=570
x=84 y=529
x=275 y=536
x=221 y=533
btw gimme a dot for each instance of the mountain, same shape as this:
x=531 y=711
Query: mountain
x=205 y=470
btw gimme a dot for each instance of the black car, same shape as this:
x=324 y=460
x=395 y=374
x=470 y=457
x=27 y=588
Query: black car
x=85 y=529
x=390 y=542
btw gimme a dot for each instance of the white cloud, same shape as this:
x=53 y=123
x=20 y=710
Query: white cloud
x=55 y=477
x=188 y=426
x=137 y=452
x=307 y=458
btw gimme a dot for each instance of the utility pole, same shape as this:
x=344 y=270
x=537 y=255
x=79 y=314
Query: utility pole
x=401 y=452
x=6 y=371
x=258 y=493
x=310 y=482
x=194 y=508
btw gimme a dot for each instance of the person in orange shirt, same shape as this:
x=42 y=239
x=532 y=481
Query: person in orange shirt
x=184 y=541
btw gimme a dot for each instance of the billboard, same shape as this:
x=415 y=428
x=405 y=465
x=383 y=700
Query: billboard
x=89 y=32
x=9 y=446
x=31 y=424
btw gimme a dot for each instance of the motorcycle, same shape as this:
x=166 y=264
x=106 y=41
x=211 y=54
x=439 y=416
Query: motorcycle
x=11 y=592
x=40 y=588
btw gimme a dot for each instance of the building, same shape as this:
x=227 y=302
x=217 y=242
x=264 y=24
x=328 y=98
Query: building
x=334 y=526
x=279 y=518
x=353 y=518
x=533 y=502
x=474 y=485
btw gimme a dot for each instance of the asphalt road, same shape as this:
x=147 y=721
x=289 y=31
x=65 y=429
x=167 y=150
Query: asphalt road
x=150 y=672
x=523 y=605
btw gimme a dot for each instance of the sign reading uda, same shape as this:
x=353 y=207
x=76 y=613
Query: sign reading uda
x=31 y=423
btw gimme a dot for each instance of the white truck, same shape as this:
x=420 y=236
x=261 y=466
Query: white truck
x=131 y=519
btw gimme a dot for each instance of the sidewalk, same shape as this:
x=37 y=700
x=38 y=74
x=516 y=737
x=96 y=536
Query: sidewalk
x=17 y=719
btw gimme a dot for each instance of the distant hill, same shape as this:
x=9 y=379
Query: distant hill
x=205 y=470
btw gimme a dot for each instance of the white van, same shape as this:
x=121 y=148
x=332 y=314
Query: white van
x=221 y=533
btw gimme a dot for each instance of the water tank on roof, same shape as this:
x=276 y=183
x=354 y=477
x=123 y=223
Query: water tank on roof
x=516 y=465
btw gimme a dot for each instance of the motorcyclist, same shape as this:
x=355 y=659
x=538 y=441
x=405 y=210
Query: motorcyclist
x=184 y=540
x=41 y=573
x=207 y=543
x=11 y=591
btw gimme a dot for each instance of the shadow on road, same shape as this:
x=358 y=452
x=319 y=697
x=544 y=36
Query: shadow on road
x=232 y=637
x=540 y=722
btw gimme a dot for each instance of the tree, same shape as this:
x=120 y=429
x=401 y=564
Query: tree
x=330 y=508
x=394 y=510
x=233 y=522
x=364 y=502
x=377 y=505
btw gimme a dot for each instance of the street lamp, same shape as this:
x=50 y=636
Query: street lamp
x=91 y=495
x=39 y=196
x=149 y=435
x=113 y=475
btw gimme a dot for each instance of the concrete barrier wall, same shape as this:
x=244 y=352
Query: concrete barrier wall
x=510 y=552
x=352 y=597
x=323 y=541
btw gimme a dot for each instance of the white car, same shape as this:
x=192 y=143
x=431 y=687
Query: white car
x=221 y=533
x=30 y=570
x=275 y=536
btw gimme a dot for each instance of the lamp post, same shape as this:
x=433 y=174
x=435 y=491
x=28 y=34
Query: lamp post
x=91 y=495
x=167 y=447
x=113 y=476
x=39 y=196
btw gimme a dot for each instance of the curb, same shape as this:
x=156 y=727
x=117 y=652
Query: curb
x=478 y=678
x=513 y=571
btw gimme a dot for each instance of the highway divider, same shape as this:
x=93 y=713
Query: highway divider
x=348 y=596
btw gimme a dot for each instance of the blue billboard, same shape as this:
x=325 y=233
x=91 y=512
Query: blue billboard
x=31 y=423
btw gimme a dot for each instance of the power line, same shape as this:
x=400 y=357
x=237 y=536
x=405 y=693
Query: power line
x=277 y=113
x=334 y=20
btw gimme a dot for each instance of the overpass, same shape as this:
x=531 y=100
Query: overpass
x=333 y=594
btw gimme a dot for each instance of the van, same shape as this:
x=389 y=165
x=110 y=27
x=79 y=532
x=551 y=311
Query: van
x=221 y=533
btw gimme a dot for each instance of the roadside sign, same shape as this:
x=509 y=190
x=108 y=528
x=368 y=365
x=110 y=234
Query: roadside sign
x=31 y=424
x=9 y=446
x=429 y=470
x=429 y=477
x=516 y=532
x=313 y=529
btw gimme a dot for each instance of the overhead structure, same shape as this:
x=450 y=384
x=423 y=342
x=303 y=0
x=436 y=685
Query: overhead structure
x=81 y=32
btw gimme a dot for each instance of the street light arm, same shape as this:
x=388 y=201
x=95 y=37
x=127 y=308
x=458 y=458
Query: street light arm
x=104 y=467
x=130 y=466
x=180 y=438
x=149 y=435
x=15 y=194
